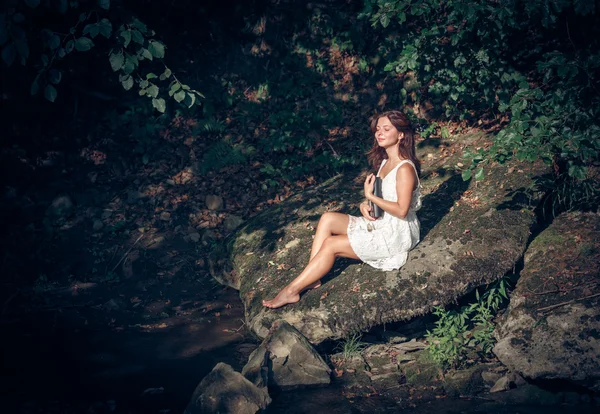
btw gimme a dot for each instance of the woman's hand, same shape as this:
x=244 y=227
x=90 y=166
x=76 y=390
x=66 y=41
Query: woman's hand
x=369 y=181
x=365 y=209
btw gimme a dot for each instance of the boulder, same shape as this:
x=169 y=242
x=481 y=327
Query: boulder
x=472 y=234
x=286 y=361
x=225 y=391
x=551 y=330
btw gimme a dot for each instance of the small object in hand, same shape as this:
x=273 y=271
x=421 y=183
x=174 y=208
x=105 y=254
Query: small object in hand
x=376 y=211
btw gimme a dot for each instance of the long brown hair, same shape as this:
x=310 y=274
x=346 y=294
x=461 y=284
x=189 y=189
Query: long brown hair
x=406 y=147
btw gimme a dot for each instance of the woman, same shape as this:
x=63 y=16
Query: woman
x=383 y=243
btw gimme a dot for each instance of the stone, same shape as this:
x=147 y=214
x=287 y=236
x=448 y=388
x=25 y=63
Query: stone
x=448 y=263
x=463 y=382
x=225 y=391
x=165 y=216
x=195 y=237
x=393 y=337
x=555 y=335
x=61 y=207
x=502 y=384
x=490 y=378
x=97 y=226
x=214 y=202
x=285 y=360
x=106 y=214
x=232 y=222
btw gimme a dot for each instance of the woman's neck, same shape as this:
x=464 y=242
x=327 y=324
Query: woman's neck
x=393 y=154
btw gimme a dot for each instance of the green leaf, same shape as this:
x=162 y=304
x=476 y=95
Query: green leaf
x=479 y=174
x=129 y=65
x=190 y=99
x=165 y=74
x=69 y=46
x=32 y=3
x=384 y=20
x=54 y=76
x=146 y=53
x=9 y=53
x=105 y=4
x=50 y=93
x=126 y=35
x=466 y=175
x=159 y=104
x=179 y=96
x=116 y=60
x=53 y=41
x=35 y=86
x=127 y=83
x=84 y=44
x=139 y=25
x=153 y=91
x=137 y=36
x=151 y=76
x=91 y=29
x=143 y=84
x=157 y=49
x=105 y=27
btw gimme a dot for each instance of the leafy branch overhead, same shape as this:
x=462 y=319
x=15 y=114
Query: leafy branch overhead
x=132 y=43
x=469 y=58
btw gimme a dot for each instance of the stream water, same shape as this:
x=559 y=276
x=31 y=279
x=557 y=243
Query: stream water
x=90 y=360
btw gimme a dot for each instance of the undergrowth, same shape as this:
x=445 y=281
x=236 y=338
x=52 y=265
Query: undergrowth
x=460 y=333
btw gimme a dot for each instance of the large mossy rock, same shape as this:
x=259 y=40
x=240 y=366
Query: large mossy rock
x=472 y=234
x=552 y=327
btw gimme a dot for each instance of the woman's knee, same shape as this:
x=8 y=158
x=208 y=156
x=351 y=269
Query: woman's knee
x=326 y=220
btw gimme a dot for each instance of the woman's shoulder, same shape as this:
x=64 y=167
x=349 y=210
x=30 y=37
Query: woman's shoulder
x=406 y=170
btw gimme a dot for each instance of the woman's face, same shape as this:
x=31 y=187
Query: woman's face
x=386 y=134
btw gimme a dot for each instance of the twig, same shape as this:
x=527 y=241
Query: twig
x=126 y=253
x=558 y=305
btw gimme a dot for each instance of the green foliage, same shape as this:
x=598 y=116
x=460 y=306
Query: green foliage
x=129 y=45
x=565 y=193
x=516 y=62
x=221 y=154
x=469 y=329
x=350 y=346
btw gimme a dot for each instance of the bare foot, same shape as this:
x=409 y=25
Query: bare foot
x=283 y=298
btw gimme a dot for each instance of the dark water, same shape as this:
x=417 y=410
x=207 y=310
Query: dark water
x=94 y=361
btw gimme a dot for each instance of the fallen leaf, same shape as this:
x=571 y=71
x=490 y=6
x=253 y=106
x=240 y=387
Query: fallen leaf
x=324 y=295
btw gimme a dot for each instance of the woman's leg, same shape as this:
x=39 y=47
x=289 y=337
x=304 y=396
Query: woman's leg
x=330 y=224
x=318 y=267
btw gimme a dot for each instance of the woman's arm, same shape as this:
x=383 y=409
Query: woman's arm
x=405 y=183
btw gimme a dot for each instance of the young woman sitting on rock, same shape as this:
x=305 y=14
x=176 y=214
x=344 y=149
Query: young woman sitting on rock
x=383 y=243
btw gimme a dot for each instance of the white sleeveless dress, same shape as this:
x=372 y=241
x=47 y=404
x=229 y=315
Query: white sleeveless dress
x=385 y=242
